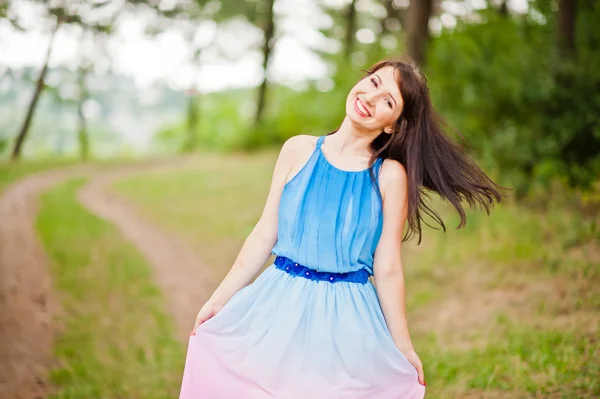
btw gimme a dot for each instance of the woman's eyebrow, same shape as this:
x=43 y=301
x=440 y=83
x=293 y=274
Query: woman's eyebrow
x=390 y=94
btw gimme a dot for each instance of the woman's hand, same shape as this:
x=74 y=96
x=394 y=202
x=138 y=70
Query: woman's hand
x=206 y=312
x=413 y=358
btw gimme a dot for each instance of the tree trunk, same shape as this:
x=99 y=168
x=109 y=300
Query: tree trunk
x=417 y=23
x=39 y=87
x=82 y=134
x=268 y=44
x=350 y=29
x=565 y=27
x=503 y=9
x=192 y=122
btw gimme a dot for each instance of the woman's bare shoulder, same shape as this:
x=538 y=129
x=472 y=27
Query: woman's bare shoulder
x=299 y=144
x=301 y=141
x=393 y=175
x=393 y=169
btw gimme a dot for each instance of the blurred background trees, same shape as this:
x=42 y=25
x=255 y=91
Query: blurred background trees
x=519 y=80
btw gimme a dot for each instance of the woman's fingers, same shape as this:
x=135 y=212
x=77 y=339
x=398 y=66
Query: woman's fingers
x=414 y=359
x=421 y=375
x=196 y=324
x=203 y=315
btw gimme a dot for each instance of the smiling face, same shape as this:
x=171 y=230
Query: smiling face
x=375 y=102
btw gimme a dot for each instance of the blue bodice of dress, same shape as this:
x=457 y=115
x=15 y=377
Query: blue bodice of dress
x=330 y=219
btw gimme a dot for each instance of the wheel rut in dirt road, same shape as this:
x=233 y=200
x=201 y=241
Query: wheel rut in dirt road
x=177 y=269
x=27 y=302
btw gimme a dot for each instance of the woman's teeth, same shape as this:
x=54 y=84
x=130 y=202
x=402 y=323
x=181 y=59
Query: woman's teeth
x=360 y=108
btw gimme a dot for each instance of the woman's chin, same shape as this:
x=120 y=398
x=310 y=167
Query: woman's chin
x=356 y=119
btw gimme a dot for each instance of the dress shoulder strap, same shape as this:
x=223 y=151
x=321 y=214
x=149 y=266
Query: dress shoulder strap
x=320 y=141
x=377 y=166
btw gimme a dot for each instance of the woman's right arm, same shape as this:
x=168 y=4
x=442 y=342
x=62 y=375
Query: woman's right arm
x=258 y=245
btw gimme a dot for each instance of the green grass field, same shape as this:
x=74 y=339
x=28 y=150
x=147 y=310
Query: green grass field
x=213 y=206
x=505 y=307
x=116 y=341
x=10 y=172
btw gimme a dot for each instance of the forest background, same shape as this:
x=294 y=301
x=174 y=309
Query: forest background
x=137 y=142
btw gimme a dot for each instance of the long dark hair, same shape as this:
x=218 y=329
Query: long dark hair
x=431 y=159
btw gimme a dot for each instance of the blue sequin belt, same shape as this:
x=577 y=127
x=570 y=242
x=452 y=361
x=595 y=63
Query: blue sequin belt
x=295 y=269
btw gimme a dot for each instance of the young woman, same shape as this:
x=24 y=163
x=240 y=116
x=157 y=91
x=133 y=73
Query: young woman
x=313 y=325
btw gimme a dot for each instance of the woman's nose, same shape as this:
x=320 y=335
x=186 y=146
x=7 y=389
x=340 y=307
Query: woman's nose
x=369 y=98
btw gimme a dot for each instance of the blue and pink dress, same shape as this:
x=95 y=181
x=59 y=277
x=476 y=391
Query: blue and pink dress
x=310 y=326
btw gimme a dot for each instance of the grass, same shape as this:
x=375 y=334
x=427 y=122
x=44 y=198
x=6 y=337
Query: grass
x=505 y=307
x=213 y=206
x=115 y=341
x=517 y=309
x=10 y=172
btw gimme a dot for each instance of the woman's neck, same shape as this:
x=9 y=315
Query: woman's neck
x=350 y=141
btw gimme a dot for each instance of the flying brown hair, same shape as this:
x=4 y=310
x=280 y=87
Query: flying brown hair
x=432 y=160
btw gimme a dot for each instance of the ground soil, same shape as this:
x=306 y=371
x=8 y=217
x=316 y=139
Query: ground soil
x=27 y=303
x=178 y=269
x=30 y=310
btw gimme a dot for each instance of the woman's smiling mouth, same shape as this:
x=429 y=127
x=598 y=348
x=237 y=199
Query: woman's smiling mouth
x=361 y=109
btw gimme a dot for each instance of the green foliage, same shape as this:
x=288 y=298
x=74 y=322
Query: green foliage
x=222 y=122
x=528 y=116
x=226 y=118
x=524 y=111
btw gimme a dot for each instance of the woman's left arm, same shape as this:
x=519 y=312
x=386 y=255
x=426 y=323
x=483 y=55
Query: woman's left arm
x=387 y=263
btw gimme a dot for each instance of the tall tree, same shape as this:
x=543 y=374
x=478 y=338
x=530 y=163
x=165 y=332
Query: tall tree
x=92 y=35
x=191 y=17
x=350 y=29
x=95 y=17
x=268 y=26
x=417 y=29
x=59 y=17
x=191 y=141
x=503 y=8
x=565 y=27
x=82 y=131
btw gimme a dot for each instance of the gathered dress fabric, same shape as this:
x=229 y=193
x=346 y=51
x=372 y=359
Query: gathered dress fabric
x=310 y=326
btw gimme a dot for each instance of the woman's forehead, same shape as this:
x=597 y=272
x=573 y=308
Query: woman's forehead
x=389 y=74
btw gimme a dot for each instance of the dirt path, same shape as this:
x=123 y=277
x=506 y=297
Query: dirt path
x=177 y=268
x=28 y=306
x=27 y=303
